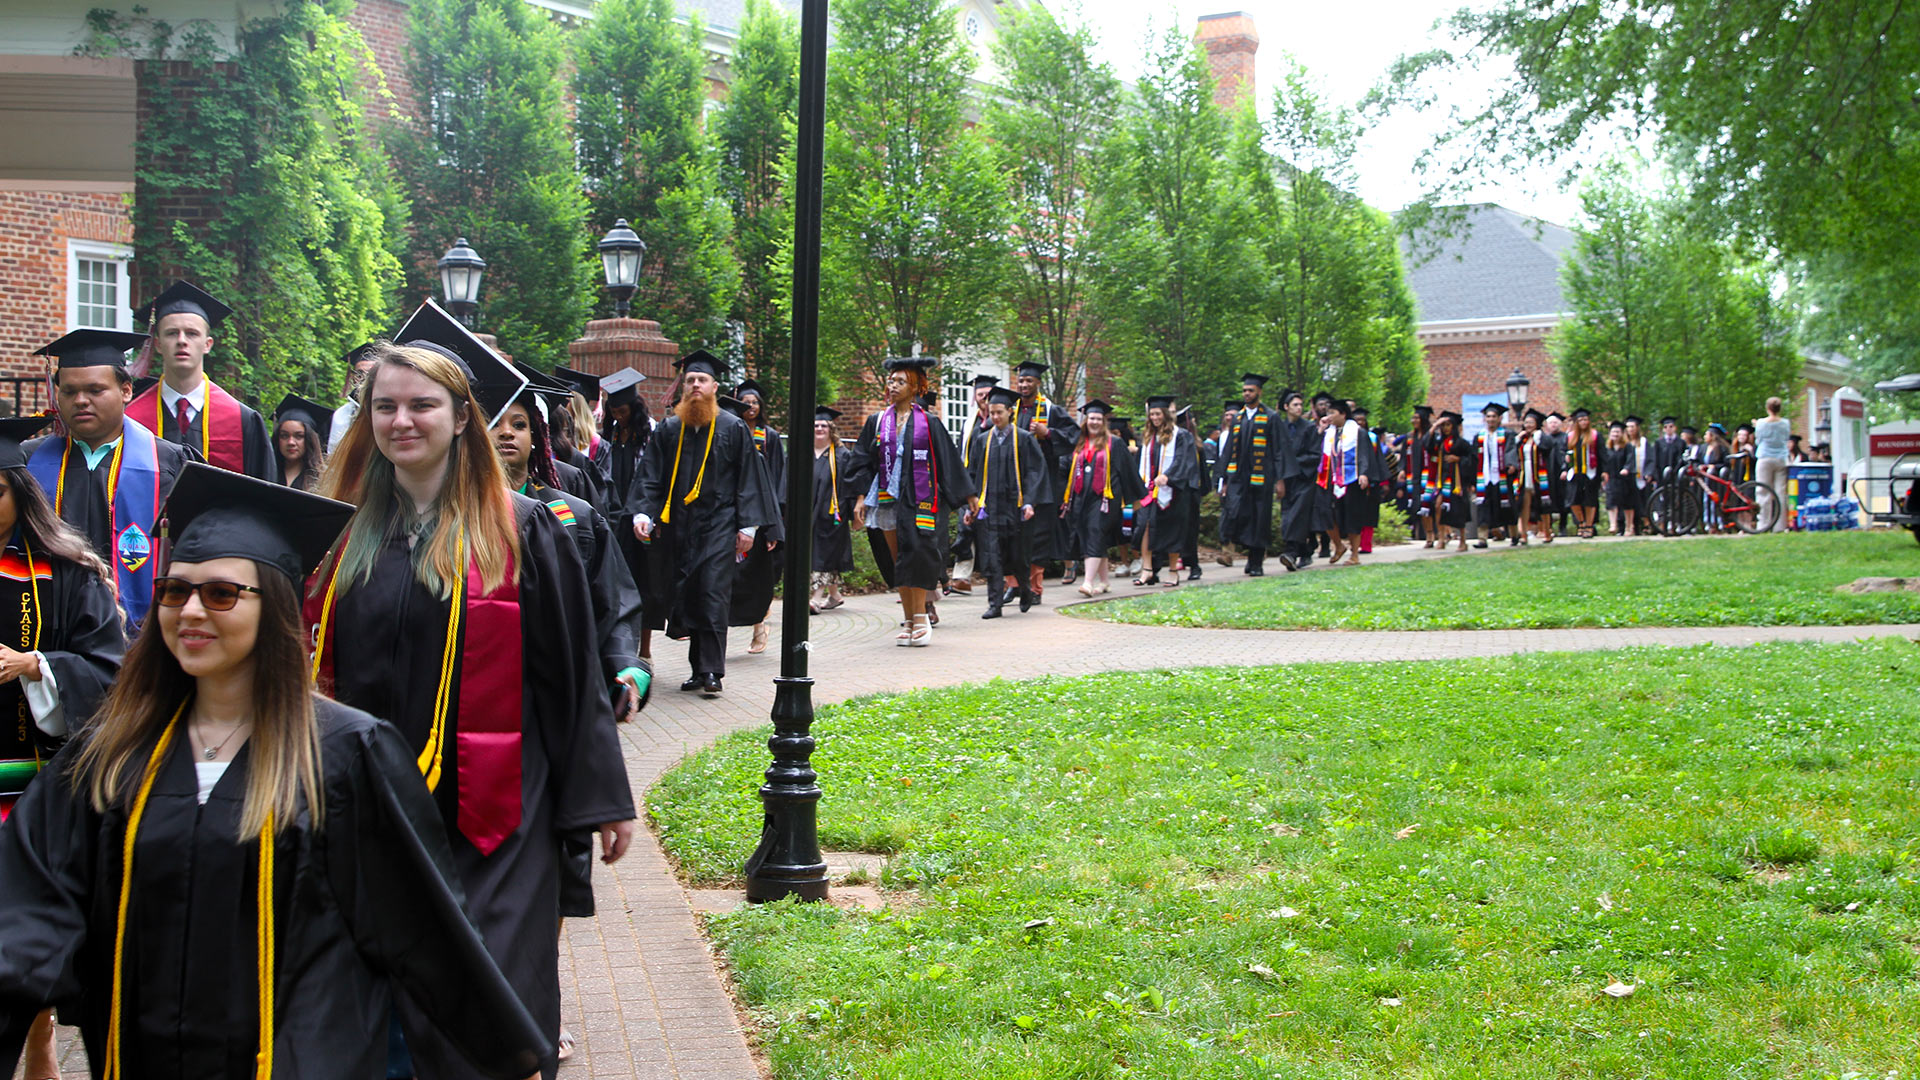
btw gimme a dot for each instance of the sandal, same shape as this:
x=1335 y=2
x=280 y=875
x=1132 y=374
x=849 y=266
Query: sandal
x=1085 y=589
x=1147 y=579
x=564 y=1045
x=921 y=634
x=1175 y=583
x=837 y=601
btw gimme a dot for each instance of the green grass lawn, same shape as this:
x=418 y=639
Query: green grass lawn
x=1781 y=580
x=1422 y=870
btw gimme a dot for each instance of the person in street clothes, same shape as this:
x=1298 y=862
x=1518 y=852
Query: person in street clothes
x=185 y=407
x=1413 y=469
x=1616 y=465
x=300 y=429
x=760 y=571
x=461 y=612
x=107 y=475
x=1009 y=472
x=1206 y=453
x=1583 y=474
x=1253 y=472
x=964 y=554
x=57 y=663
x=837 y=483
x=278 y=868
x=1100 y=480
x=1448 y=493
x=1170 y=472
x=1536 y=466
x=703 y=496
x=916 y=483
x=1053 y=427
x=1493 y=483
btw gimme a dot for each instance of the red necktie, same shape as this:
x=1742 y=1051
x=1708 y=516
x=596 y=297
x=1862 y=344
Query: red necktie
x=180 y=415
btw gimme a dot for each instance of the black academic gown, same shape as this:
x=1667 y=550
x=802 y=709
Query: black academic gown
x=1052 y=540
x=1093 y=519
x=369 y=901
x=1373 y=466
x=832 y=534
x=619 y=464
x=1167 y=529
x=758 y=575
x=923 y=552
x=1456 y=510
x=592 y=475
x=1308 y=509
x=1003 y=539
x=1253 y=452
x=76 y=627
x=691 y=571
x=963 y=533
x=388 y=638
x=83 y=497
x=256 y=446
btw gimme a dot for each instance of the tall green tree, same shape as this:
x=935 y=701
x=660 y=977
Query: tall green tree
x=913 y=231
x=755 y=132
x=1333 y=308
x=273 y=136
x=491 y=159
x=1175 y=275
x=640 y=92
x=1667 y=320
x=1053 y=108
x=1790 y=123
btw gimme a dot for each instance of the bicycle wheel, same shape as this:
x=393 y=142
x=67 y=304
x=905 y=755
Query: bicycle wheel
x=1675 y=511
x=1753 y=508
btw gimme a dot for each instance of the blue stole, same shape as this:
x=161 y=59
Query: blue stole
x=136 y=506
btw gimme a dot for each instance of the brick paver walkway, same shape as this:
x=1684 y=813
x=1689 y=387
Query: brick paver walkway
x=640 y=990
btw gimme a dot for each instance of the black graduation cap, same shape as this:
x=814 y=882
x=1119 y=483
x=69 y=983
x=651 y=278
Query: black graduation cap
x=748 y=386
x=1637 y=420
x=1289 y=396
x=1097 y=406
x=92 y=348
x=15 y=430
x=1536 y=416
x=1001 y=395
x=1423 y=410
x=145 y=383
x=495 y=382
x=539 y=382
x=822 y=413
x=1578 y=413
x=1345 y=406
x=1160 y=401
x=917 y=363
x=1493 y=407
x=985 y=380
x=358 y=353
x=1688 y=429
x=1253 y=379
x=215 y=514
x=1555 y=413
x=1357 y=409
x=1611 y=424
x=733 y=405
x=1183 y=413
x=1233 y=404
x=317 y=417
x=1320 y=396
x=183 y=297
x=1451 y=416
x=1665 y=420
x=1031 y=367
x=699 y=361
x=587 y=385
x=621 y=386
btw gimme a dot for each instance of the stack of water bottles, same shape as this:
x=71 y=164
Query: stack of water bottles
x=1827 y=514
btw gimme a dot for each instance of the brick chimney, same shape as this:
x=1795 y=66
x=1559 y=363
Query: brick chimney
x=1231 y=42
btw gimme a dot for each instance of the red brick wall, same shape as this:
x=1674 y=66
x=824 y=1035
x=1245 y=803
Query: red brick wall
x=1231 y=43
x=34 y=229
x=1483 y=368
x=383 y=23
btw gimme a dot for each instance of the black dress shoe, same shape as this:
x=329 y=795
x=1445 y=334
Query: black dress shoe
x=694 y=683
x=1255 y=571
x=710 y=686
x=1480 y=543
x=1287 y=561
x=1027 y=602
x=1303 y=561
x=992 y=612
x=1193 y=574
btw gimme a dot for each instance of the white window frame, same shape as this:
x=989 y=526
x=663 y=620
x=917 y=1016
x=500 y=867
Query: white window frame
x=100 y=251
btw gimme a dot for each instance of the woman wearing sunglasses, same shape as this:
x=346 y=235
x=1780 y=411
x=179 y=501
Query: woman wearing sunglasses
x=460 y=611
x=226 y=871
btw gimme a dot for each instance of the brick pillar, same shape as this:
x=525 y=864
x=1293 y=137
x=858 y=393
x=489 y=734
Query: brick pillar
x=493 y=343
x=607 y=345
x=1231 y=43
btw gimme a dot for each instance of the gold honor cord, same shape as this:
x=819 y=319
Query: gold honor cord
x=32 y=643
x=833 y=482
x=986 y=470
x=263 y=920
x=666 y=510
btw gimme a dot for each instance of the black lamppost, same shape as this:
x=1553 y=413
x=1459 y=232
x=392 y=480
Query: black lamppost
x=788 y=862
x=620 y=253
x=1517 y=385
x=460 y=271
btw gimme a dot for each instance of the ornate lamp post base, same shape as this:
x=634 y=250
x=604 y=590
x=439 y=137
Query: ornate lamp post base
x=788 y=862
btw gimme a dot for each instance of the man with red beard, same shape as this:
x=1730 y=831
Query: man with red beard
x=704 y=493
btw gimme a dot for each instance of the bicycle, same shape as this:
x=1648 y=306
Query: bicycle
x=1701 y=500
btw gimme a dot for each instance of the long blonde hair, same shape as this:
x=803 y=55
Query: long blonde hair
x=283 y=750
x=474 y=509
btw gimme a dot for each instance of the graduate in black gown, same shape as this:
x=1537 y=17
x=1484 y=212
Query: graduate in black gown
x=461 y=612
x=1009 y=471
x=1101 y=477
x=961 y=580
x=1413 y=469
x=186 y=406
x=1449 y=479
x=702 y=497
x=1303 y=511
x=1052 y=426
x=1373 y=464
x=760 y=570
x=300 y=430
x=1206 y=451
x=1170 y=471
x=104 y=451
x=1251 y=473
x=916 y=482
x=837 y=483
x=224 y=874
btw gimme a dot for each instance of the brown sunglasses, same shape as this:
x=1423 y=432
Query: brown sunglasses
x=214 y=595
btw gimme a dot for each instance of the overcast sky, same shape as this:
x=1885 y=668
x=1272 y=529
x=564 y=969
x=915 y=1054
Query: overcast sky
x=1347 y=45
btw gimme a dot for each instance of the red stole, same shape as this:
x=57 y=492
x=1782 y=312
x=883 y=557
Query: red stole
x=222 y=437
x=489 y=716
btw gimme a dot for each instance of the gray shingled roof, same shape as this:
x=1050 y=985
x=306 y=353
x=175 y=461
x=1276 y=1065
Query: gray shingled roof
x=1495 y=263
x=725 y=15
